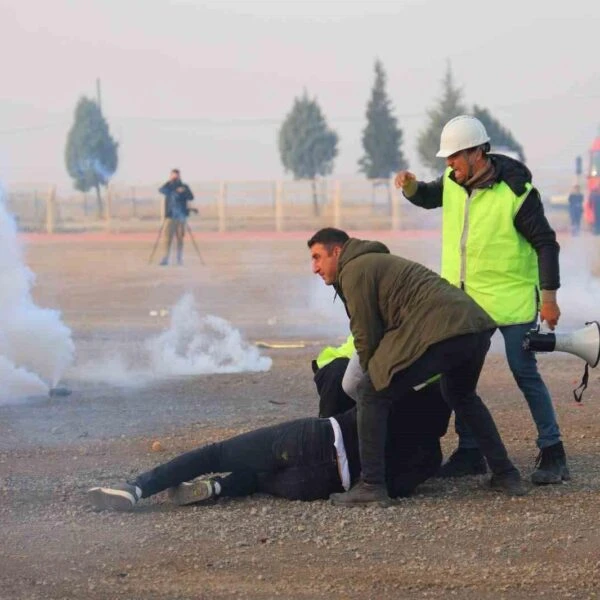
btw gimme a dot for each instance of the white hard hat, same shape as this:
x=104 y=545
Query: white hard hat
x=461 y=133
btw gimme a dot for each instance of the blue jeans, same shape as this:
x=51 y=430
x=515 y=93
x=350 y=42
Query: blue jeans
x=523 y=365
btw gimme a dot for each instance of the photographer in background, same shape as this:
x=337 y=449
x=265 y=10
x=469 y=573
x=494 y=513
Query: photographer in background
x=177 y=195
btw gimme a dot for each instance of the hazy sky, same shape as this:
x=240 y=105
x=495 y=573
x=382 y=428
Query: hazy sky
x=205 y=85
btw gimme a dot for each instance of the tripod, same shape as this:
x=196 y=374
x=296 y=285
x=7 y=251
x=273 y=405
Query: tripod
x=162 y=226
x=194 y=243
x=189 y=229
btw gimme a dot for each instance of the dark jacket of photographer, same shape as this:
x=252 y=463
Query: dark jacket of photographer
x=177 y=195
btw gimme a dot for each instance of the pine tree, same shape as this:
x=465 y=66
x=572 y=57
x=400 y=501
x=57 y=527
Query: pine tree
x=91 y=153
x=449 y=106
x=306 y=144
x=500 y=137
x=382 y=138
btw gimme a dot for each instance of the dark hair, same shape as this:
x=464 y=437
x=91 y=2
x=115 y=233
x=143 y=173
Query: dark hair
x=329 y=237
x=175 y=171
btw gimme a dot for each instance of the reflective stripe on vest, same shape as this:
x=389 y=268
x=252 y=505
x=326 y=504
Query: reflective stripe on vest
x=484 y=253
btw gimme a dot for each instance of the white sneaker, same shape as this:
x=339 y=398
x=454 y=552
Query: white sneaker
x=120 y=497
x=190 y=492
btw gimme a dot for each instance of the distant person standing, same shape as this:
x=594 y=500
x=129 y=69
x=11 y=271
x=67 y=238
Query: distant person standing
x=177 y=195
x=595 y=205
x=575 y=209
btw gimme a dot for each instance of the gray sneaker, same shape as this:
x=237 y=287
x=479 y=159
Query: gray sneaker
x=190 y=492
x=123 y=496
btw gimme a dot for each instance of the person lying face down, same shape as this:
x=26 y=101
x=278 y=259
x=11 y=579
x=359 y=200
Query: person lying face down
x=303 y=459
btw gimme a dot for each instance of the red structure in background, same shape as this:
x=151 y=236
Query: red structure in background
x=593 y=179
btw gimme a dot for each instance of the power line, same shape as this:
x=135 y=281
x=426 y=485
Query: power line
x=28 y=129
x=249 y=121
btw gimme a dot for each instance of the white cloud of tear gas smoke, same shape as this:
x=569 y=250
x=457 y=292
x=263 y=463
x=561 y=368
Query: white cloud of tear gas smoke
x=328 y=315
x=35 y=345
x=195 y=344
x=579 y=294
x=192 y=345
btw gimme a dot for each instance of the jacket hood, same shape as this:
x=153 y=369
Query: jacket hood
x=354 y=248
x=513 y=172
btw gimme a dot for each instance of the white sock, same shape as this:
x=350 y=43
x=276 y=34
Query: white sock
x=216 y=488
x=138 y=492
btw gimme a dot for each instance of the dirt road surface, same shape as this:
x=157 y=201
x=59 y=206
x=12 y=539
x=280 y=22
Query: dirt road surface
x=453 y=539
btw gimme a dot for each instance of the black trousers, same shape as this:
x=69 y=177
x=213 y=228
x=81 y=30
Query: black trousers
x=294 y=460
x=459 y=360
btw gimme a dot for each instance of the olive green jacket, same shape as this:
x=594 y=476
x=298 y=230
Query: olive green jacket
x=398 y=308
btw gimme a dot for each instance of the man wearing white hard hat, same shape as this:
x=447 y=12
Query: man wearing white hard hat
x=499 y=247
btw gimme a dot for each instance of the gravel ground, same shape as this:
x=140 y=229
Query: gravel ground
x=452 y=539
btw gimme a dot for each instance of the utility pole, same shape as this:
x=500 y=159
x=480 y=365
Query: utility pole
x=98 y=94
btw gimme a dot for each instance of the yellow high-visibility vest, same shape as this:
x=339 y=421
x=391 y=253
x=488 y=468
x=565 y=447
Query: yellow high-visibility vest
x=483 y=252
x=330 y=353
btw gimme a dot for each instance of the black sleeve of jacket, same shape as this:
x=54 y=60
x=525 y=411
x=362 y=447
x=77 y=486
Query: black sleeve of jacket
x=532 y=224
x=165 y=189
x=428 y=194
x=188 y=193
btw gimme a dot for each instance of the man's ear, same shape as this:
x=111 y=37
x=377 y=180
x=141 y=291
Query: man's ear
x=336 y=251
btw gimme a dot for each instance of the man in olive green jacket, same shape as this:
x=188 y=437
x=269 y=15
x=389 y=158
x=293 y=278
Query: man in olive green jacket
x=409 y=324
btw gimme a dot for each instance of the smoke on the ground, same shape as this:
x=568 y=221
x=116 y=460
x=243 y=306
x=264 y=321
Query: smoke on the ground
x=35 y=345
x=192 y=345
x=579 y=294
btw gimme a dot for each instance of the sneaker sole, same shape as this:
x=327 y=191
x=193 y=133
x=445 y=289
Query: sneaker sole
x=190 y=492
x=107 y=499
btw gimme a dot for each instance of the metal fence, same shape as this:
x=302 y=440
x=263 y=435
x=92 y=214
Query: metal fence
x=225 y=206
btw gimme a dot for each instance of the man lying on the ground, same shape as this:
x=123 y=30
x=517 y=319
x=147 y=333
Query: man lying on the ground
x=304 y=459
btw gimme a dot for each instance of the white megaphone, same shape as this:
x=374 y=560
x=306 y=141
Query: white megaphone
x=584 y=342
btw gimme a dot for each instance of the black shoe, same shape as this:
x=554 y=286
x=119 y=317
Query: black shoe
x=120 y=497
x=362 y=493
x=463 y=462
x=164 y=262
x=510 y=483
x=551 y=465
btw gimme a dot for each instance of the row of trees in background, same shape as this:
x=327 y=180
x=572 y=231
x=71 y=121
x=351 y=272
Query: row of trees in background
x=307 y=145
